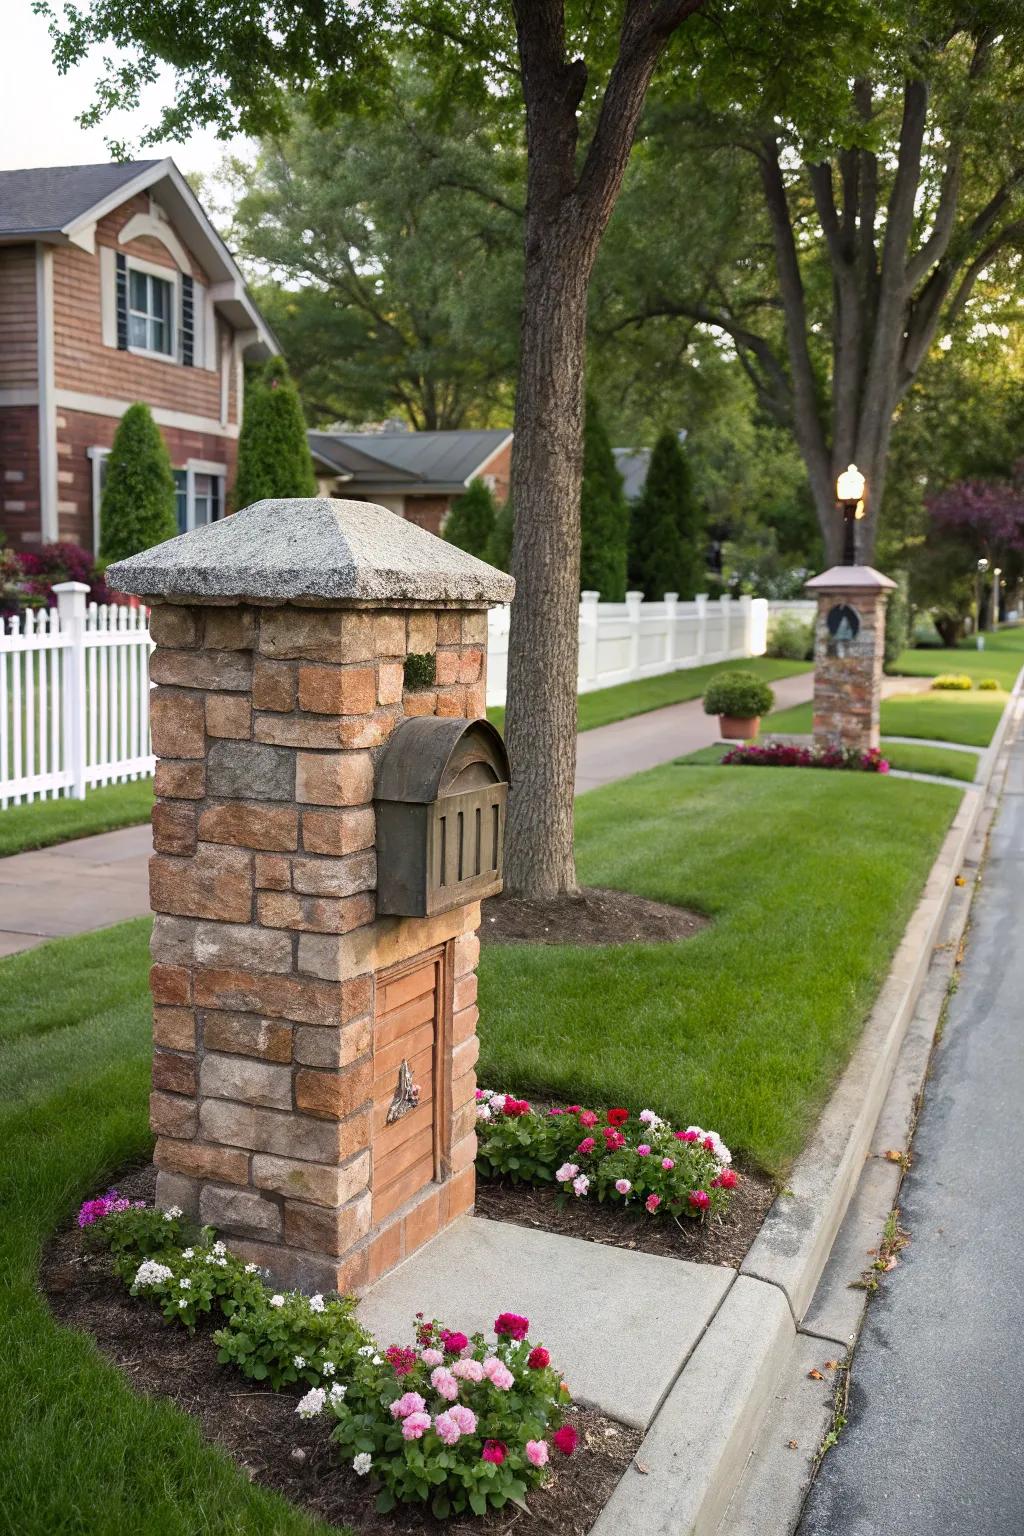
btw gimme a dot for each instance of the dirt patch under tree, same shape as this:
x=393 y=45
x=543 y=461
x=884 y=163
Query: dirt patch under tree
x=594 y=916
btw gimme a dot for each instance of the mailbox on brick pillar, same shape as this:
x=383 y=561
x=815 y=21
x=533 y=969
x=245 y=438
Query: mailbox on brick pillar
x=323 y=834
x=849 y=649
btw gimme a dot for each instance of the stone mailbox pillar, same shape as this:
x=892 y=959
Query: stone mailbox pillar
x=314 y=1049
x=849 y=648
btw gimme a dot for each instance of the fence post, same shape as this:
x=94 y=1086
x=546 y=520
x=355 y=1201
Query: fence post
x=745 y=611
x=671 y=603
x=757 y=634
x=725 y=603
x=71 y=597
x=588 y=637
x=634 y=603
x=701 y=601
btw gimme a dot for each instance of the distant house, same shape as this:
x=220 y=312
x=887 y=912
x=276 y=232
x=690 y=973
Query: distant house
x=633 y=464
x=114 y=287
x=416 y=474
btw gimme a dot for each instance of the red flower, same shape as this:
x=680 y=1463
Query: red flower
x=402 y=1360
x=511 y=1323
x=586 y=1145
x=566 y=1439
x=538 y=1358
x=516 y=1106
x=454 y=1343
x=699 y=1199
x=727 y=1179
x=496 y=1451
x=618 y=1116
x=614 y=1141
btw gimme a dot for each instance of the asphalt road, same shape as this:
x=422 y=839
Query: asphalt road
x=932 y=1446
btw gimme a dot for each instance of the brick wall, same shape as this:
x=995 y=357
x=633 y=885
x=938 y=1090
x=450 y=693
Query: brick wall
x=277 y=991
x=427 y=511
x=848 y=674
x=18 y=367
x=19 y=474
x=500 y=466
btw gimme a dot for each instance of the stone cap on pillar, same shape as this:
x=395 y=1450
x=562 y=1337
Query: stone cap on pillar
x=316 y=551
x=850 y=578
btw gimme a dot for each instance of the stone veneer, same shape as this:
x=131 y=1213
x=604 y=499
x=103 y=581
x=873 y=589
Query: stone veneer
x=848 y=674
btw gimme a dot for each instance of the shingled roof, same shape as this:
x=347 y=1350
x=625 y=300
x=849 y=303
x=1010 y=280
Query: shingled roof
x=442 y=463
x=49 y=198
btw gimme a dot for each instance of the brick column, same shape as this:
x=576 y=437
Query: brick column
x=282 y=1004
x=849 y=649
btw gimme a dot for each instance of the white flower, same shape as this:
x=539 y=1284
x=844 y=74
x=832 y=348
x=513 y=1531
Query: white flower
x=151 y=1273
x=566 y=1172
x=219 y=1249
x=188 y=1253
x=277 y=1301
x=581 y=1185
x=312 y=1404
x=172 y=1213
x=183 y=1301
x=316 y=1303
x=486 y=1093
x=252 y=1269
x=482 y=1113
x=362 y=1463
x=366 y=1350
x=497 y=1102
x=650 y=1119
x=299 y=1362
x=328 y=1367
x=186 y=1285
x=337 y=1393
x=377 y=1360
x=221 y=1263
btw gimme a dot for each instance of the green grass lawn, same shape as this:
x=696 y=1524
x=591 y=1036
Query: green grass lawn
x=80 y=1452
x=1002 y=658
x=606 y=705
x=809 y=877
x=909 y=756
x=44 y=822
x=970 y=718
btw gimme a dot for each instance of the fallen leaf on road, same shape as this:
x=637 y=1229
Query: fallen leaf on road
x=959 y=880
x=792 y=1445
x=831 y=1365
x=815 y=1376
x=893 y=1155
x=891 y=1262
x=641 y=1466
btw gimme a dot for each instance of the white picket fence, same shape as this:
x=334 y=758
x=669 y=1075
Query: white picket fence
x=74 y=680
x=74 y=698
x=622 y=642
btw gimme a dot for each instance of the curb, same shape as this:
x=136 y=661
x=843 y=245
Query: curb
x=692 y=1458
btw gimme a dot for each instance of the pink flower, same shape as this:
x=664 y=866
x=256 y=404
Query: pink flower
x=573 y=1109
x=614 y=1140
x=581 y=1185
x=883 y=765
x=623 y=1186
x=444 y=1384
x=410 y=1402
x=464 y=1417
x=498 y=1373
x=643 y=1150
x=494 y=1450
x=566 y=1439
x=447 y=1429
x=687 y=1136
x=652 y=1202
x=566 y=1172
x=699 y=1199
x=587 y=1144
x=432 y=1357
x=416 y=1426
x=556 y=1111
x=588 y=1118
x=512 y=1324
x=468 y=1370
x=667 y=1163
x=401 y=1360
x=537 y=1453
x=538 y=1358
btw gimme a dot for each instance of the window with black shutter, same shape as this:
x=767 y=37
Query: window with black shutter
x=187 y=321
x=122 y=303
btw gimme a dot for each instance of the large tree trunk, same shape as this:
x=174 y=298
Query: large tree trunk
x=544 y=638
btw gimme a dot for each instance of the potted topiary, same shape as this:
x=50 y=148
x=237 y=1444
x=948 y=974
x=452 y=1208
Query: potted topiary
x=739 y=699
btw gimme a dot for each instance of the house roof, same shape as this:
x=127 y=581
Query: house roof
x=313 y=548
x=436 y=463
x=61 y=204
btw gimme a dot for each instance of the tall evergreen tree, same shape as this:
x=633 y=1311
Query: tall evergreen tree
x=604 y=516
x=470 y=523
x=273 y=451
x=499 y=545
x=138 y=500
x=666 y=549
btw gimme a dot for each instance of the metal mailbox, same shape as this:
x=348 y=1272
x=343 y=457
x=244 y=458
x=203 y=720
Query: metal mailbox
x=440 y=799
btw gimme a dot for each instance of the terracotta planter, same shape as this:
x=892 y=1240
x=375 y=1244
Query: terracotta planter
x=732 y=728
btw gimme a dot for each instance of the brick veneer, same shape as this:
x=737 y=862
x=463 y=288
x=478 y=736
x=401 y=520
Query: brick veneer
x=267 y=951
x=848 y=674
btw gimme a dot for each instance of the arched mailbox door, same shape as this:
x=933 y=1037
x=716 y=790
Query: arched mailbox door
x=440 y=797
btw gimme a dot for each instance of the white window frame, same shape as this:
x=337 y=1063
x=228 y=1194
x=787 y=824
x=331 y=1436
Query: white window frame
x=172 y=277
x=195 y=467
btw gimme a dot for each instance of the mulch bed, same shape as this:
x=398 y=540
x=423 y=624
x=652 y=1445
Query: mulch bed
x=723 y=1241
x=261 y=1430
x=594 y=916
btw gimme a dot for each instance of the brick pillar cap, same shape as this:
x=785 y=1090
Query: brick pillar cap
x=313 y=550
x=848 y=578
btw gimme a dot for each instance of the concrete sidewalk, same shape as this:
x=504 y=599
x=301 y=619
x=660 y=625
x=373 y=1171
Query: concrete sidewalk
x=77 y=887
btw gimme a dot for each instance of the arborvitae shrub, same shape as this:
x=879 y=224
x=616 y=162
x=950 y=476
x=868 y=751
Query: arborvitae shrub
x=138 y=499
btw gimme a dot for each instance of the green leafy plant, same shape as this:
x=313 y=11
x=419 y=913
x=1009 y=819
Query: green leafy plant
x=952 y=682
x=741 y=695
x=604 y=516
x=470 y=523
x=138 y=1232
x=138 y=508
x=791 y=637
x=188 y=1283
x=273 y=451
x=420 y=669
x=989 y=684
x=286 y=1338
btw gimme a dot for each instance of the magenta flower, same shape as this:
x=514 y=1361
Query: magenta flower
x=512 y=1324
x=699 y=1199
x=587 y=1144
x=667 y=1164
x=643 y=1150
x=494 y=1450
x=652 y=1202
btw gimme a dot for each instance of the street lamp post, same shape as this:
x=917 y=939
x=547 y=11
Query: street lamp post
x=993 y=622
x=850 y=495
x=979 y=637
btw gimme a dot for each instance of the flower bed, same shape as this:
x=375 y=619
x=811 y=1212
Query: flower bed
x=631 y=1160
x=456 y=1423
x=779 y=754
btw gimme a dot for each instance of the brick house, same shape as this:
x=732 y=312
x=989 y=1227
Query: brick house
x=416 y=474
x=114 y=287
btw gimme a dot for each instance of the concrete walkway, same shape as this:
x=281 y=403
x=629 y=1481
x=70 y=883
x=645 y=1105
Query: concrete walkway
x=931 y=1442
